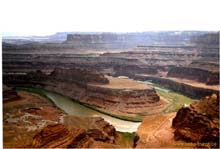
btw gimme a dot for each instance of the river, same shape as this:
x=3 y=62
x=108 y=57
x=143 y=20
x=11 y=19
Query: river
x=74 y=108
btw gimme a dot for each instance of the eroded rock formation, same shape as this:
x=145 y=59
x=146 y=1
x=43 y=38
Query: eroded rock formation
x=114 y=95
x=33 y=122
x=96 y=127
x=199 y=123
x=186 y=87
x=9 y=94
x=156 y=132
x=25 y=117
x=58 y=136
x=197 y=74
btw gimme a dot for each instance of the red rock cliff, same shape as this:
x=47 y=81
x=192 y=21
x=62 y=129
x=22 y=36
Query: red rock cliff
x=199 y=123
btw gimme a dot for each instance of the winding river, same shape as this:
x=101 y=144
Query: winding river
x=74 y=108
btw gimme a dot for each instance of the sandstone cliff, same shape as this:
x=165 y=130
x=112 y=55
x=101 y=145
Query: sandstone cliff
x=58 y=136
x=82 y=76
x=199 y=123
x=183 y=87
x=197 y=74
x=196 y=126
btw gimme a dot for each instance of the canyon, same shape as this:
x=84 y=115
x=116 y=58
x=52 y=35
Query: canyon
x=30 y=121
x=190 y=60
x=117 y=96
x=111 y=90
x=195 y=126
x=187 y=87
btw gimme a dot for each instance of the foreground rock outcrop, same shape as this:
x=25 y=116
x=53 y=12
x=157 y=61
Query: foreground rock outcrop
x=156 y=132
x=31 y=121
x=95 y=127
x=23 y=117
x=58 y=136
x=199 y=123
x=113 y=95
x=191 y=127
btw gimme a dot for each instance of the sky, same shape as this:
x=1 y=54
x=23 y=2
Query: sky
x=43 y=17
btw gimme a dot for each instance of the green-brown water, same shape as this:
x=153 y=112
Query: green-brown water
x=74 y=108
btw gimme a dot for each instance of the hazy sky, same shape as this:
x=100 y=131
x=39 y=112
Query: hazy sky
x=41 y=17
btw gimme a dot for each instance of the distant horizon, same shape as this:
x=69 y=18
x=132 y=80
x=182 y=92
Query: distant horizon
x=17 y=34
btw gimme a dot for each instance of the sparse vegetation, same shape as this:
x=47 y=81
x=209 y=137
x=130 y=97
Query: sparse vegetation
x=176 y=100
x=41 y=92
x=125 y=139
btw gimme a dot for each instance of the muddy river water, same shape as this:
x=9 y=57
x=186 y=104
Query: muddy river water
x=74 y=108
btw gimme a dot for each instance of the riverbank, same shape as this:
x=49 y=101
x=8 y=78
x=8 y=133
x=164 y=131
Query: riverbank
x=120 y=97
x=24 y=117
x=44 y=93
x=188 y=88
x=30 y=113
x=175 y=101
x=74 y=108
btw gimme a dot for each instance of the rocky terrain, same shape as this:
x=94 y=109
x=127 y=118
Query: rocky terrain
x=154 y=50
x=196 y=126
x=9 y=93
x=25 y=116
x=58 y=136
x=96 y=70
x=126 y=39
x=205 y=68
x=199 y=123
x=156 y=132
x=196 y=74
x=157 y=53
x=112 y=95
x=187 y=87
x=173 y=54
x=31 y=121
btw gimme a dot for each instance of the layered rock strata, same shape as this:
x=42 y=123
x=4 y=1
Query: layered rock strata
x=197 y=74
x=31 y=121
x=24 y=117
x=58 y=136
x=184 y=87
x=95 y=127
x=9 y=94
x=112 y=94
x=195 y=126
